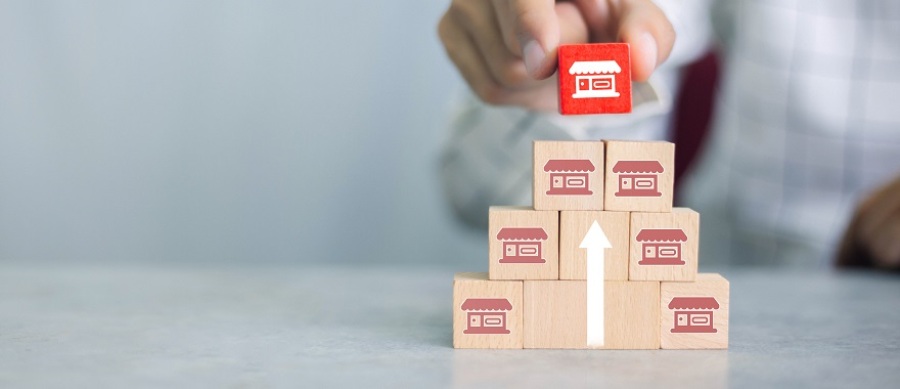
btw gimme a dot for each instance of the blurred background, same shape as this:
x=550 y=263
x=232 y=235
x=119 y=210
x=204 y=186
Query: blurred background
x=211 y=131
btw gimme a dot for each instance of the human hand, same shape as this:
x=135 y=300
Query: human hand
x=873 y=236
x=506 y=49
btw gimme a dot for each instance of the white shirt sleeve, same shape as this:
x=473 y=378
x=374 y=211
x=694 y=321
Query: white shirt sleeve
x=487 y=157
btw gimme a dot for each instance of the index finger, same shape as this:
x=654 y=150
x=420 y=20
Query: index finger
x=648 y=31
x=536 y=28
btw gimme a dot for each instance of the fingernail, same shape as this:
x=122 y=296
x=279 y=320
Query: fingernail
x=534 y=57
x=650 y=49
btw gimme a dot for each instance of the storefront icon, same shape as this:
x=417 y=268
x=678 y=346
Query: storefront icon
x=522 y=245
x=638 y=178
x=595 y=79
x=569 y=176
x=661 y=246
x=693 y=314
x=486 y=316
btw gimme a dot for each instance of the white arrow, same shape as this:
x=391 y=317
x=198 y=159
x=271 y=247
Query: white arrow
x=595 y=242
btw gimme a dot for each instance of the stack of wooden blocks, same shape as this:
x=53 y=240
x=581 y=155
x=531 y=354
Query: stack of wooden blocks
x=602 y=259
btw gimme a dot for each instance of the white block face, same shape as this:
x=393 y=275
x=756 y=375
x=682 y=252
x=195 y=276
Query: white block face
x=523 y=244
x=486 y=314
x=639 y=176
x=664 y=245
x=568 y=175
x=556 y=315
x=694 y=315
x=573 y=225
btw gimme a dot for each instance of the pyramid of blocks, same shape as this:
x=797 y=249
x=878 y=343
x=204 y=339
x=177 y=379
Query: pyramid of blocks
x=601 y=260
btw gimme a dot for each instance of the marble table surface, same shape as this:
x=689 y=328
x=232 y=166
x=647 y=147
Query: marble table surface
x=302 y=326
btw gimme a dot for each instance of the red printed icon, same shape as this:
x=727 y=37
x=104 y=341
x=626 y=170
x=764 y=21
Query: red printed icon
x=594 y=78
x=694 y=314
x=661 y=246
x=569 y=176
x=638 y=178
x=486 y=316
x=522 y=245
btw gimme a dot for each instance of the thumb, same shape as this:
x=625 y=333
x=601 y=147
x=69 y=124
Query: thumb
x=537 y=29
x=646 y=28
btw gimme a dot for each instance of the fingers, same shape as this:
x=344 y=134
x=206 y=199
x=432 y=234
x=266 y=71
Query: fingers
x=479 y=21
x=850 y=253
x=875 y=230
x=507 y=26
x=884 y=246
x=646 y=28
x=598 y=16
x=879 y=225
x=463 y=53
x=536 y=28
x=879 y=208
x=472 y=32
x=506 y=49
x=572 y=27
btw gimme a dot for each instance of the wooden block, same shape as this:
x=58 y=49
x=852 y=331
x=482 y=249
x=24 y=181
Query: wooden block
x=556 y=315
x=664 y=246
x=523 y=244
x=694 y=315
x=639 y=176
x=574 y=225
x=594 y=78
x=568 y=175
x=486 y=314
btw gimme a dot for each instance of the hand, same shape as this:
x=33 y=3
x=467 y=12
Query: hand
x=873 y=236
x=506 y=49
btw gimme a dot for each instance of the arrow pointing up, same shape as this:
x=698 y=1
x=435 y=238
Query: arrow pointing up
x=595 y=238
x=596 y=243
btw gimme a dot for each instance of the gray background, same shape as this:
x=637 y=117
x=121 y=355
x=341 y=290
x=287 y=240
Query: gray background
x=281 y=132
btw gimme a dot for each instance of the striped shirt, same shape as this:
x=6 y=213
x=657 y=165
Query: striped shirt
x=805 y=125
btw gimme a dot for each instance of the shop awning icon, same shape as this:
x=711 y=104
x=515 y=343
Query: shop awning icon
x=595 y=78
x=595 y=67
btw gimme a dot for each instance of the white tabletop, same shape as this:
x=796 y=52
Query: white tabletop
x=127 y=326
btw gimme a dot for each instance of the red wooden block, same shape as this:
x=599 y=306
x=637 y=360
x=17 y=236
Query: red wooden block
x=594 y=78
